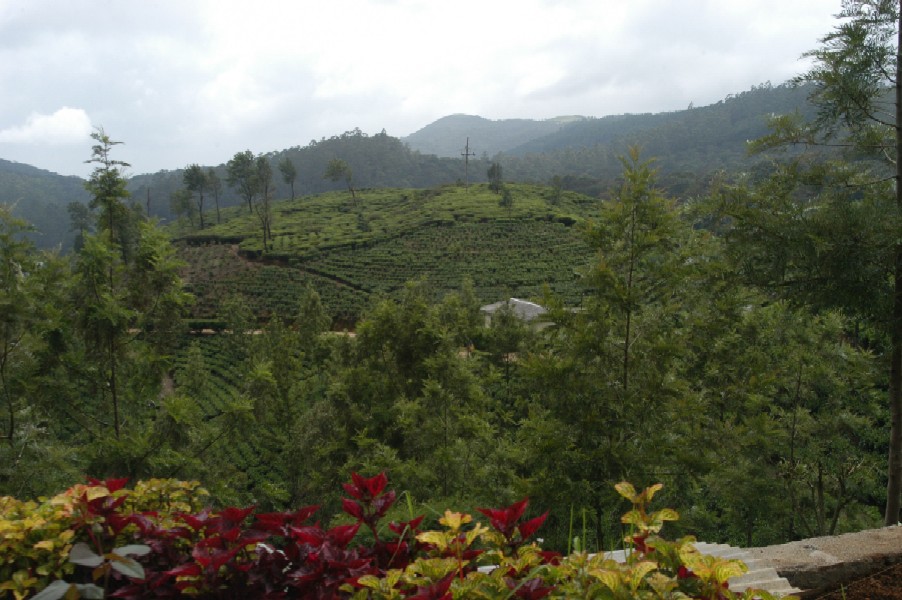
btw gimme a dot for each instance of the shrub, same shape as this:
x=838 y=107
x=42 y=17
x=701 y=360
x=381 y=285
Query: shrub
x=154 y=541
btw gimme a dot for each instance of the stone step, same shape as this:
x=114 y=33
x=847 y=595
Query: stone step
x=777 y=587
x=755 y=564
x=760 y=575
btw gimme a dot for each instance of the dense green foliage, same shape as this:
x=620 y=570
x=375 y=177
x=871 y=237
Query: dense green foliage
x=668 y=353
x=86 y=342
x=823 y=231
x=657 y=363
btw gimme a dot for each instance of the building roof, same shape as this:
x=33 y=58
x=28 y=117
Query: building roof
x=522 y=308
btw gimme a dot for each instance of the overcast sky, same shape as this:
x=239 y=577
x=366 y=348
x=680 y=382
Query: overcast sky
x=187 y=81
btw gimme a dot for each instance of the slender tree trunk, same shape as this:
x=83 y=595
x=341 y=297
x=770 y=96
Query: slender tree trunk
x=11 y=416
x=842 y=501
x=821 y=507
x=894 y=475
x=629 y=300
x=626 y=351
x=111 y=349
x=749 y=530
x=790 y=480
x=114 y=393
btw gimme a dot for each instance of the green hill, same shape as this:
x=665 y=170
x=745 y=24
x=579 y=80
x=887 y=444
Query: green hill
x=689 y=145
x=446 y=137
x=352 y=252
x=40 y=197
x=376 y=161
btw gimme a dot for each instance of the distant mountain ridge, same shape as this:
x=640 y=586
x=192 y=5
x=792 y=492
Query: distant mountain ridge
x=40 y=197
x=447 y=136
x=734 y=119
x=689 y=146
x=731 y=121
x=580 y=153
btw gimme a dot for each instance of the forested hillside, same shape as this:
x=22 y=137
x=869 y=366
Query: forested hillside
x=727 y=125
x=691 y=146
x=443 y=137
x=377 y=161
x=41 y=197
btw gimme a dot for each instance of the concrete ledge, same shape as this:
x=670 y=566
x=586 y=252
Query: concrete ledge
x=817 y=564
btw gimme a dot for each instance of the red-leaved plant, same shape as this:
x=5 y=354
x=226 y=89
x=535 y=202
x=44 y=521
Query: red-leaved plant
x=235 y=553
x=508 y=522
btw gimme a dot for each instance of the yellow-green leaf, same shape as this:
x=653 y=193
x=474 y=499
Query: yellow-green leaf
x=370 y=581
x=724 y=570
x=633 y=517
x=94 y=492
x=608 y=578
x=649 y=492
x=436 y=538
x=475 y=533
x=454 y=520
x=639 y=571
x=626 y=489
x=667 y=514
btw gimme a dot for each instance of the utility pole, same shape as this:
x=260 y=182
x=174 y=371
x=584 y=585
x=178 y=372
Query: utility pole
x=467 y=154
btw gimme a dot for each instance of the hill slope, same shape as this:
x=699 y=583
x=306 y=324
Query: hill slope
x=376 y=161
x=40 y=197
x=353 y=252
x=447 y=136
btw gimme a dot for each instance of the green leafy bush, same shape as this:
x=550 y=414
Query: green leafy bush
x=103 y=540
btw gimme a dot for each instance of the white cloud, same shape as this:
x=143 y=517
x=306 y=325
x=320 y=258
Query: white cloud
x=65 y=126
x=196 y=82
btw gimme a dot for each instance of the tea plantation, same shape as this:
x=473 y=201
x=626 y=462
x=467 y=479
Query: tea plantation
x=352 y=250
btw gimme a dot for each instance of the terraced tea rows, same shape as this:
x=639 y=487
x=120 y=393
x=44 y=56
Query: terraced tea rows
x=502 y=258
x=215 y=272
x=350 y=250
x=222 y=391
